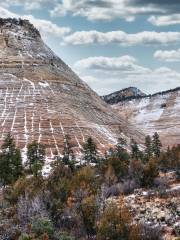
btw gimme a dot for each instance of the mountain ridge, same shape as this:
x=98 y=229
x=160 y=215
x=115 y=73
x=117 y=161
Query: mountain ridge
x=123 y=95
x=158 y=112
x=139 y=96
x=42 y=99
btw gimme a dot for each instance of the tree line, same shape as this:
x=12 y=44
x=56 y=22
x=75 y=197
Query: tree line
x=11 y=167
x=74 y=193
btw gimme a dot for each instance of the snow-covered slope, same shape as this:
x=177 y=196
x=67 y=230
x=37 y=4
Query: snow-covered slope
x=159 y=112
x=41 y=98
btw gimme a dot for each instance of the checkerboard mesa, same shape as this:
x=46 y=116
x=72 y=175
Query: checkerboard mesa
x=42 y=99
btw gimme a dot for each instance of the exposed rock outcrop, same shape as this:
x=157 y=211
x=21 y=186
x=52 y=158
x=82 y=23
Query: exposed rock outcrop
x=156 y=207
x=123 y=95
x=159 y=112
x=42 y=99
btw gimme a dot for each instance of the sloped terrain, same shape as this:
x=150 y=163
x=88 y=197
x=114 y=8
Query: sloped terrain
x=158 y=208
x=42 y=99
x=155 y=113
x=122 y=95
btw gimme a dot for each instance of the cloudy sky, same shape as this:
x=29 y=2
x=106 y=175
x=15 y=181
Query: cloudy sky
x=111 y=44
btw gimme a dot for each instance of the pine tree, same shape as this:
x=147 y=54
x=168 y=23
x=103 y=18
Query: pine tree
x=166 y=159
x=17 y=166
x=149 y=149
x=10 y=161
x=13 y=155
x=156 y=145
x=68 y=154
x=135 y=152
x=150 y=173
x=5 y=171
x=35 y=157
x=90 y=151
x=121 y=152
x=121 y=145
x=57 y=160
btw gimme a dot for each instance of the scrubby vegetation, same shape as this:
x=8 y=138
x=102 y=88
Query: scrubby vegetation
x=72 y=201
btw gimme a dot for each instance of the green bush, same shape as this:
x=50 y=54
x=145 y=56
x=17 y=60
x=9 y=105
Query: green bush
x=25 y=237
x=43 y=225
x=116 y=224
x=150 y=173
x=63 y=236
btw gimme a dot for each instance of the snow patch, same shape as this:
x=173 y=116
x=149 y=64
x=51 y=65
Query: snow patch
x=32 y=84
x=106 y=133
x=44 y=84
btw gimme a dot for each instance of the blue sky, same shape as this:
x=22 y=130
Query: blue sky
x=110 y=44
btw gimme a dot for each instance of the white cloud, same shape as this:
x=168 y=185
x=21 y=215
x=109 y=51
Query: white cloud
x=103 y=9
x=168 y=56
x=28 y=4
x=116 y=65
x=165 y=20
x=47 y=27
x=122 y=38
x=156 y=80
x=106 y=75
x=44 y=26
x=90 y=79
x=4 y=13
x=159 y=79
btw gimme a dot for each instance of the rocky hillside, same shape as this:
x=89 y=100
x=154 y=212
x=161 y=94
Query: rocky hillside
x=157 y=207
x=158 y=112
x=42 y=99
x=122 y=95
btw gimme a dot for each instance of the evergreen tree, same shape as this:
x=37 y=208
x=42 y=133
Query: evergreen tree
x=148 y=149
x=135 y=152
x=166 y=158
x=121 y=152
x=10 y=161
x=5 y=171
x=156 y=145
x=57 y=160
x=117 y=159
x=68 y=154
x=110 y=152
x=175 y=158
x=17 y=167
x=90 y=151
x=119 y=164
x=150 y=173
x=121 y=145
x=35 y=157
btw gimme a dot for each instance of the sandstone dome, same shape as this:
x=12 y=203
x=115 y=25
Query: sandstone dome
x=42 y=99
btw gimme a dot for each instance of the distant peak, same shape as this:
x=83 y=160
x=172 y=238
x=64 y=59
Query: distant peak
x=122 y=95
x=19 y=26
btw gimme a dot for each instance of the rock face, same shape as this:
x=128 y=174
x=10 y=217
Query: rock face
x=157 y=208
x=122 y=95
x=42 y=99
x=155 y=113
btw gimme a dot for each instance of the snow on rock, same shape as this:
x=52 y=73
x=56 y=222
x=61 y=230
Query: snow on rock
x=149 y=206
x=44 y=84
x=42 y=99
x=157 y=113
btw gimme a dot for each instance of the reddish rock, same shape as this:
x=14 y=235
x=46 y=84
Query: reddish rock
x=42 y=99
